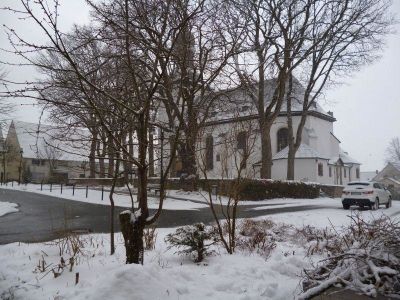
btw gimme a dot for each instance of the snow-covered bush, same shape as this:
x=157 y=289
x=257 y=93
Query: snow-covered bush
x=365 y=258
x=193 y=240
x=256 y=236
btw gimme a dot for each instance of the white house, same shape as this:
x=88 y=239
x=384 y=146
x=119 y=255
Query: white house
x=319 y=158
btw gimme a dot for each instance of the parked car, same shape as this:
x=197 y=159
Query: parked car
x=366 y=194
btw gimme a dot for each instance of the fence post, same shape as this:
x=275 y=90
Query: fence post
x=73 y=189
x=102 y=192
x=61 y=188
x=41 y=185
x=51 y=187
x=12 y=183
x=87 y=189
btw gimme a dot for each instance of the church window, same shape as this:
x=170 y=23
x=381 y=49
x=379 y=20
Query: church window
x=283 y=136
x=330 y=171
x=320 y=169
x=358 y=173
x=241 y=141
x=209 y=152
x=345 y=172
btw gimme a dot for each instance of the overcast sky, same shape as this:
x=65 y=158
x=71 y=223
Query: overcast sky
x=367 y=107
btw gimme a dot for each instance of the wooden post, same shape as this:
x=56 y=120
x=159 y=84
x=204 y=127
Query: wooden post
x=61 y=188
x=51 y=187
x=102 y=193
x=87 y=190
x=73 y=189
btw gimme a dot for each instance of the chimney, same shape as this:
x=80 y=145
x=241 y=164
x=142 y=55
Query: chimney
x=376 y=172
x=330 y=113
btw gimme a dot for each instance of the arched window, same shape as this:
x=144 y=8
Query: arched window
x=209 y=152
x=283 y=135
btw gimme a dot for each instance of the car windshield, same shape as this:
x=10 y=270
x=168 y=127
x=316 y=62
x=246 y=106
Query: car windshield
x=360 y=183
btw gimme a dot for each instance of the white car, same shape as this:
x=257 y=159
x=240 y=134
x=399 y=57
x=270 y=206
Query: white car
x=366 y=194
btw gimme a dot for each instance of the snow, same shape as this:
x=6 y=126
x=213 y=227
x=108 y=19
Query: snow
x=304 y=151
x=164 y=275
x=94 y=196
x=7 y=207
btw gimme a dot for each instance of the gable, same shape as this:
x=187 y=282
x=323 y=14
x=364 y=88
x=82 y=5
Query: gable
x=388 y=171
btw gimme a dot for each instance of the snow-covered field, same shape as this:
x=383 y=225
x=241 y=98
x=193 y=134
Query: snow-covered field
x=25 y=268
x=7 y=207
x=164 y=274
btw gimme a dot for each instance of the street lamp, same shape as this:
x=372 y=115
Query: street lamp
x=20 y=166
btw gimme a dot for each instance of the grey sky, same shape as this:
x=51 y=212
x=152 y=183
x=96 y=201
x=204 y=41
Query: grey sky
x=367 y=107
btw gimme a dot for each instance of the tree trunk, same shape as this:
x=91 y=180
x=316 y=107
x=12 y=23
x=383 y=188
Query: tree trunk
x=92 y=156
x=291 y=145
x=151 y=153
x=133 y=237
x=266 y=152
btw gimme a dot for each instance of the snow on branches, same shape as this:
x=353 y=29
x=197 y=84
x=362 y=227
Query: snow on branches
x=364 y=258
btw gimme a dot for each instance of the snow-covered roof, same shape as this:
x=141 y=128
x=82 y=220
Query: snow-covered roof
x=394 y=180
x=51 y=142
x=237 y=103
x=304 y=151
x=367 y=176
x=346 y=158
x=396 y=164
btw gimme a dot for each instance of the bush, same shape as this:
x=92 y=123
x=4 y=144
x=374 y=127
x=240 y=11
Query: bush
x=193 y=240
x=251 y=189
x=256 y=236
x=364 y=258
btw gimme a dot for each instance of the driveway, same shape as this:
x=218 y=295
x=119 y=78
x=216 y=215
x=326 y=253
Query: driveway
x=43 y=218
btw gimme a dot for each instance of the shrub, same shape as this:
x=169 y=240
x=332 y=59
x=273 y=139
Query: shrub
x=364 y=258
x=251 y=189
x=193 y=240
x=256 y=236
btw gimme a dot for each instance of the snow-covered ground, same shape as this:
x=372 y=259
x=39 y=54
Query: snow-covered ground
x=165 y=275
x=7 y=207
x=95 y=196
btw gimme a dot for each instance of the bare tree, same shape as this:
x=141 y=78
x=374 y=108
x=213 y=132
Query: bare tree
x=355 y=40
x=142 y=35
x=393 y=150
x=235 y=150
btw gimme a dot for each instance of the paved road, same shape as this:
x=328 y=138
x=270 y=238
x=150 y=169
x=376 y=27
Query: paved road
x=43 y=218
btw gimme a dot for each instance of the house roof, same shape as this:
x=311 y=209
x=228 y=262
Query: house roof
x=367 y=176
x=396 y=164
x=50 y=142
x=304 y=151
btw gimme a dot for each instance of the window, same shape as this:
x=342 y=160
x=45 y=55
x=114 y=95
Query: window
x=330 y=171
x=320 y=169
x=345 y=172
x=36 y=162
x=283 y=135
x=241 y=141
x=358 y=173
x=209 y=152
x=218 y=158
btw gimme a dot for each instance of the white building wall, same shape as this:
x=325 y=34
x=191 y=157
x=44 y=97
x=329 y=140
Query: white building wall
x=305 y=170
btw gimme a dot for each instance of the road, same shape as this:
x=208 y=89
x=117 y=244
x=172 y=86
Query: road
x=43 y=218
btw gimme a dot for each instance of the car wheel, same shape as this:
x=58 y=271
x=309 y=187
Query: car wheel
x=376 y=204
x=346 y=206
x=389 y=203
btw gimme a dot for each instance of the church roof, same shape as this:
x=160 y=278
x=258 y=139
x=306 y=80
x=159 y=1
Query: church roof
x=346 y=158
x=50 y=142
x=236 y=104
x=304 y=151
